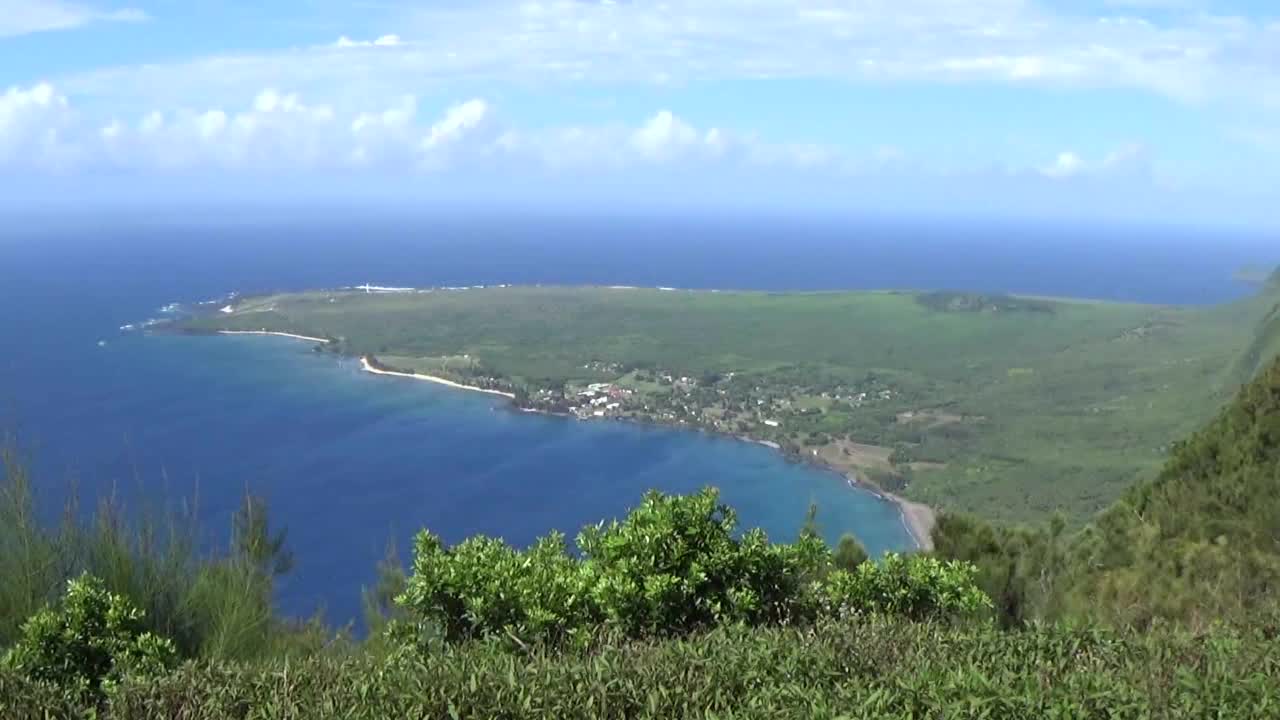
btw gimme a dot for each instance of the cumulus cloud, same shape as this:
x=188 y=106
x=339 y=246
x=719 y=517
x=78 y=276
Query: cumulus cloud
x=282 y=131
x=1066 y=164
x=379 y=137
x=21 y=17
x=382 y=41
x=458 y=122
x=663 y=140
x=276 y=131
x=469 y=145
x=33 y=126
x=1130 y=159
x=666 y=135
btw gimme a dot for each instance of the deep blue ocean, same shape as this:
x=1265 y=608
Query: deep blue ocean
x=351 y=462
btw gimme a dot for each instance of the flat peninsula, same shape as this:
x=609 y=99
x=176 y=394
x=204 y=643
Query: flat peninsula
x=1009 y=407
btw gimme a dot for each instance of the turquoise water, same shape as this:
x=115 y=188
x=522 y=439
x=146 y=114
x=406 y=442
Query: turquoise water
x=351 y=461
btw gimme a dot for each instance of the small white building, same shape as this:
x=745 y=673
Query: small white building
x=771 y=423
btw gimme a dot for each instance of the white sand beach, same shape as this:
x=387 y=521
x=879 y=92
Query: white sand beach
x=364 y=362
x=268 y=332
x=919 y=520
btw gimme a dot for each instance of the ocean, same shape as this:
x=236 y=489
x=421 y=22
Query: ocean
x=350 y=462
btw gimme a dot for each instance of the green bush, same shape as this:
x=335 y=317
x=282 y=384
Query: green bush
x=916 y=587
x=91 y=643
x=671 y=567
x=485 y=586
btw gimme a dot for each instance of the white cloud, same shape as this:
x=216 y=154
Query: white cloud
x=1018 y=67
x=382 y=41
x=380 y=137
x=458 y=122
x=662 y=142
x=1157 y=4
x=665 y=135
x=452 y=148
x=33 y=123
x=277 y=131
x=1190 y=56
x=17 y=103
x=211 y=124
x=396 y=117
x=281 y=131
x=22 y=17
x=1065 y=165
x=1131 y=159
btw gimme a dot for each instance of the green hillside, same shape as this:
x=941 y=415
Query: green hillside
x=1198 y=544
x=1012 y=408
x=1265 y=343
x=1202 y=541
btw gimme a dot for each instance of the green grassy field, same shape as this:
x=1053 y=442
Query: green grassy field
x=1011 y=408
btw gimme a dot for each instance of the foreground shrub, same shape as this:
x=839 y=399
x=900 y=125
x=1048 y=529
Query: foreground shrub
x=671 y=567
x=914 y=587
x=91 y=643
x=485 y=586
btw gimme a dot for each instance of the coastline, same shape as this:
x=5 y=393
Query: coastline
x=277 y=334
x=369 y=368
x=917 y=518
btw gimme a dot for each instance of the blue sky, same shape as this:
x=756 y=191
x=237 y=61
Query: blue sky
x=1133 y=109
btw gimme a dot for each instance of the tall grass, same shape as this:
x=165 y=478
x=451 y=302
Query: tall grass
x=212 y=605
x=858 y=667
